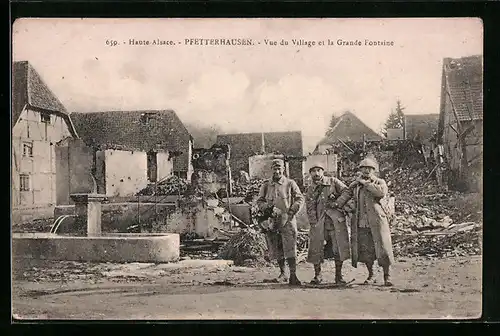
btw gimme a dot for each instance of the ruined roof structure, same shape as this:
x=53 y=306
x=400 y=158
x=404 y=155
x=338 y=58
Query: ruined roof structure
x=463 y=78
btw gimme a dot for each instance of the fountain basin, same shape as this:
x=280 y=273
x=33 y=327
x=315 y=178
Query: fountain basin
x=115 y=247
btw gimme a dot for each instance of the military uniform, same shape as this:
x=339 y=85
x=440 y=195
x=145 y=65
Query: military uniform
x=283 y=198
x=286 y=196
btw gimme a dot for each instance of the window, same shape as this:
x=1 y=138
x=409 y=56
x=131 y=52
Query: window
x=24 y=181
x=45 y=118
x=28 y=149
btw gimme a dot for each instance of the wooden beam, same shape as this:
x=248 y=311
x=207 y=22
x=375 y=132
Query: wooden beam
x=453 y=128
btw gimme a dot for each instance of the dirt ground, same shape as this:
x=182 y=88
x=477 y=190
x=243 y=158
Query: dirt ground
x=201 y=289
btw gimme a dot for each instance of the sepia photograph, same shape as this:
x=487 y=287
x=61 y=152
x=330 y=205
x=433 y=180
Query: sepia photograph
x=246 y=169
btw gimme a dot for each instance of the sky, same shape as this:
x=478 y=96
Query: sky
x=253 y=87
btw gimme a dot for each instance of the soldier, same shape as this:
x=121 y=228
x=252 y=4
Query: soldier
x=370 y=232
x=327 y=223
x=282 y=199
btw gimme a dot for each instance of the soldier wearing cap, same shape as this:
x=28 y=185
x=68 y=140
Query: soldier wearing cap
x=283 y=198
x=327 y=223
x=370 y=232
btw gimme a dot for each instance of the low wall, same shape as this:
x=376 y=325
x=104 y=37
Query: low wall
x=22 y=215
x=107 y=248
x=119 y=216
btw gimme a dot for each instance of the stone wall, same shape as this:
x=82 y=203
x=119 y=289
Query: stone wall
x=125 y=172
x=117 y=217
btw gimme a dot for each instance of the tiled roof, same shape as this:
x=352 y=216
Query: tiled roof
x=242 y=144
x=464 y=79
x=288 y=143
x=350 y=128
x=247 y=144
x=28 y=88
x=133 y=130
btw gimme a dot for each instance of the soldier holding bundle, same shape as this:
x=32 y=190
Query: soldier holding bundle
x=279 y=201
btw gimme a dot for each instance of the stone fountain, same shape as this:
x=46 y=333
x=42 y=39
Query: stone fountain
x=94 y=245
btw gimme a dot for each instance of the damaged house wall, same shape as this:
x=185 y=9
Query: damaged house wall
x=125 y=172
x=39 y=121
x=461 y=112
x=74 y=161
x=148 y=130
x=165 y=165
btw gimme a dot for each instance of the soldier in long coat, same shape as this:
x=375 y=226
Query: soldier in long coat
x=370 y=232
x=282 y=197
x=327 y=223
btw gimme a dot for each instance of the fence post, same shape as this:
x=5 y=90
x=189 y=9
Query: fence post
x=139 y=213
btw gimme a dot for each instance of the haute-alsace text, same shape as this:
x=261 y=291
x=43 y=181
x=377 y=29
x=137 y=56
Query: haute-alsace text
x=155 y=42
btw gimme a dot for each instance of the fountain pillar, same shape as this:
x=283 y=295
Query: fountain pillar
x=88 y=209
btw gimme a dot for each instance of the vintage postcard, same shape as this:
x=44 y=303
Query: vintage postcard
x=175 y=169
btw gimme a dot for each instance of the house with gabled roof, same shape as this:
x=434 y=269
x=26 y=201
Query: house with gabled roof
x=38 y=121
x=347 y=128
x=460 y=128
x=135 y=148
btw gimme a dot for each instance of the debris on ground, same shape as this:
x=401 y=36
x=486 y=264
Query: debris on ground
x=200 y=248
x=430 y=220
x=412 y=181
x=172 y=185
x=248 y=247
x=448 y=244
x=247 y=189
x=247 y=244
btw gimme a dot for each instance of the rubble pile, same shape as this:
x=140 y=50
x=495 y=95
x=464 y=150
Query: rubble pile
x=411 y=181
x=248 y=247
x=431 y=221
x=243 y=190
x=245 y=245
x=171 y=186
x=443 y=244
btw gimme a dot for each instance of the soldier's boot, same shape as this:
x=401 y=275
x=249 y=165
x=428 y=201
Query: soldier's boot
x=339 y=279
x=282 y=277
x=317 y=275
x=371 y=277
x=292 y=265
x=387 y=276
